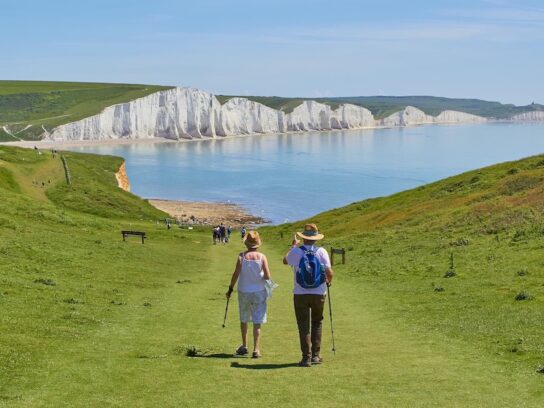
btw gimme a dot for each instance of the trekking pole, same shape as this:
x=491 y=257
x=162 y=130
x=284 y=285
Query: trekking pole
x=330 y=314
x=226 y=310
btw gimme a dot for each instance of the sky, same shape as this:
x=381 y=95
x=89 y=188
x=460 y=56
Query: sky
x=487 y=49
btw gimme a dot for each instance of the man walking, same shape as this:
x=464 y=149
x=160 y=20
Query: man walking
x=223 y=233
x=312 y=271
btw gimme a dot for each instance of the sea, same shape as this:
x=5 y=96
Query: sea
x=288 y=177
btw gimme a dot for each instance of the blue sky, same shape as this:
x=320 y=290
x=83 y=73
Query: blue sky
x=489 y=49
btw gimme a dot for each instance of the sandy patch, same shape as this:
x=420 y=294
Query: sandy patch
x=205 y=213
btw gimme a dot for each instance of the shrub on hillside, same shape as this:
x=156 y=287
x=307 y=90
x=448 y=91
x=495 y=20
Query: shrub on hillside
x=524 y=296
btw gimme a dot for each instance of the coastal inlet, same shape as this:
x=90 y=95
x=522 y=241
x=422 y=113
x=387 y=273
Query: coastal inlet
x=291 y=177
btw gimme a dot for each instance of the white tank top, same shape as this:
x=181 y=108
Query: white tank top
x=251 y=276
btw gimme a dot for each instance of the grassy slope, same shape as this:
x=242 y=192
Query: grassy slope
x=114 y=327
x=491 y=220
x=383 y=106
x=51 y=104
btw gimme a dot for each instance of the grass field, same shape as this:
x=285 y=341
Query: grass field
x=89 y=320
x=26 y=106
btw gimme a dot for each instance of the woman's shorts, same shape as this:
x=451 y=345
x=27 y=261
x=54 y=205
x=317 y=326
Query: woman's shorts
x=252 y=306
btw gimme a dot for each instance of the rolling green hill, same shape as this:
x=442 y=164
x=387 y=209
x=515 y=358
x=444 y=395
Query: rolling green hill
x=90 y=320
x=26 y=106
x=383 y=106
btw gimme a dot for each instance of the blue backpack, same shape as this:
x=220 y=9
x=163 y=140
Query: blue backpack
x=310 y=273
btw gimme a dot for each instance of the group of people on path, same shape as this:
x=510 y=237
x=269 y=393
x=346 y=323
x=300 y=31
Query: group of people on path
x=221 y=234
x=312 y=274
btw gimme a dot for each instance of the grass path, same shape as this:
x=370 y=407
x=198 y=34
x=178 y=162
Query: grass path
x=135 y=355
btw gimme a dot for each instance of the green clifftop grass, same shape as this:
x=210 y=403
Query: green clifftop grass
x=90 y=320
x=50 y=104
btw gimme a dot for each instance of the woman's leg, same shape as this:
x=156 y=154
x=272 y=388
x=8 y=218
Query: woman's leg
x=257 y=338
x=243 y=329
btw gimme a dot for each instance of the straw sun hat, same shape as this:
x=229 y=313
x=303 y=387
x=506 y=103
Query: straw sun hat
x=310 y=233
x=253 y=240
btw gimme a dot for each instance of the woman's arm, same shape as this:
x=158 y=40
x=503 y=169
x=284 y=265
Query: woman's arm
x=234 y=277
x=266 y=269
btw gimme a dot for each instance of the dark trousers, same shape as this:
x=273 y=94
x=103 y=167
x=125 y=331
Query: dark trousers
x=309 y=309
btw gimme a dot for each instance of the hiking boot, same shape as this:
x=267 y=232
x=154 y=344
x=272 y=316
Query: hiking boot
x=305 y=362
x=241 y=351
x=317 y=360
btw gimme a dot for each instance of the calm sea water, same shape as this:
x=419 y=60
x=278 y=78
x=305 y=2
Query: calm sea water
x=290 y=177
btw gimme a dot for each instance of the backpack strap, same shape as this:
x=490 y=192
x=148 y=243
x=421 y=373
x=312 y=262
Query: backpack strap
x=307 y=250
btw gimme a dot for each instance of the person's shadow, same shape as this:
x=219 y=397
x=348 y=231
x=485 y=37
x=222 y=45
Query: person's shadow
x=265 y=366
x=216 y=355
x=236 y=364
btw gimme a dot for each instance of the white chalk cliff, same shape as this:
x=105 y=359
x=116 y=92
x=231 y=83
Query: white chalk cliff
x=534 y=116
x=188 y=113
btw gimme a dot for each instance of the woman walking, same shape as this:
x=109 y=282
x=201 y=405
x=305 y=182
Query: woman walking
x=251 y=272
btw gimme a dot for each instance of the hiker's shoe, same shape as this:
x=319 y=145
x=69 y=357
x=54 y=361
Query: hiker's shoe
x=317 y=360
x=305 y=362
x=256 y=354
x=241 y=351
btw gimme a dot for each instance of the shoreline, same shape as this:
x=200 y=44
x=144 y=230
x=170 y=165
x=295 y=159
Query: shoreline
x=59 y=144
x=207 y=213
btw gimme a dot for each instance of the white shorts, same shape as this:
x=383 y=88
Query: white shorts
x=252 y=306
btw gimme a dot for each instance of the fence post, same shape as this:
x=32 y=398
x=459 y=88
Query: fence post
x=338 y=251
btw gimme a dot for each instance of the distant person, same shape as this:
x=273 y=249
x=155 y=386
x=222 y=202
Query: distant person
x=251 y=272
x=309 y=294
x=215 y=234
x=222 y=233
x=229 y=231
x=243 y=233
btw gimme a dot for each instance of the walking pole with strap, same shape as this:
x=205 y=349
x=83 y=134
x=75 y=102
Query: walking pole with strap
x=330 y=314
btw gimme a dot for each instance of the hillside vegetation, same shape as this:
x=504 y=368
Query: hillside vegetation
x=27 y=107
x=90 y=320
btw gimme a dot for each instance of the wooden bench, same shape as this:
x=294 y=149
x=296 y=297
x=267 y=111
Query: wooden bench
x=138 y=233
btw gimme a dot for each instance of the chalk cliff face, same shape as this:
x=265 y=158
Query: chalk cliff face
x=188 y=113
x=408 y=116
x=535 y=116
x=449 y=116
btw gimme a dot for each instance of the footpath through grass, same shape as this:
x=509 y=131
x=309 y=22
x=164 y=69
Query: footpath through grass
x=89 y=320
